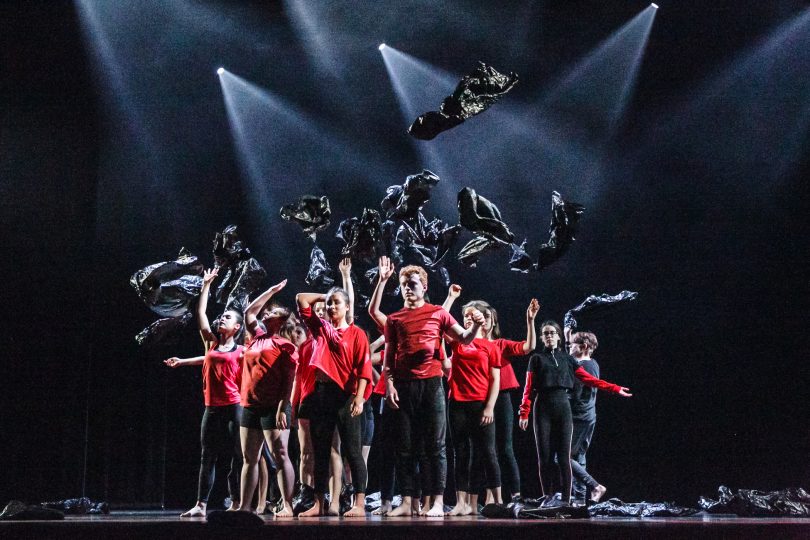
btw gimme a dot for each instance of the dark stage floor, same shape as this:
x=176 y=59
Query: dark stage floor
x=167 y=524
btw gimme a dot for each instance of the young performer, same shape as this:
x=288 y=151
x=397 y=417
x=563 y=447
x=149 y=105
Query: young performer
x=219 y=433
x=413 y=373
x=550 y=377
x=340 y=358
x=583 y=414
x=474 y=381
x=267 y=381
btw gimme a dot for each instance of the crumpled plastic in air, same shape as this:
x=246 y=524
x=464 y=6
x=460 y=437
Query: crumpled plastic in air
x=616 y=507
x=168 y=288
x=791 y=502
x=596 y=303
x=362 y=236
x=239 y=273
x=478 y=215
x=520 y=261
x=310 y=212
x=407 y=200
x=476 y=247
x=228 y=248
x=319 y=271
x=564 y=219
x=474 y=94
x=158 y=331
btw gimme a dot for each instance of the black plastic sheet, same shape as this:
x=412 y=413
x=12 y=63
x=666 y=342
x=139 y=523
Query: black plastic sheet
x=616 y=507
x=362 y=237
x=162 y=329
x=474 y=94
x=228 y=248
x=597 y=304
x=239 y=273
x=530 y=510
x=520 y=261
x=81 y=505
x=478 y=215
x=791 y=502
x=310 y=212
x=407 y=200
x=169 y=288
x=303 y=500
x=19 y=511
x=564 y=220
x=475 y=248
x=374 y=501
x=319 y=273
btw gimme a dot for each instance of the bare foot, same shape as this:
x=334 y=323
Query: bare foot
x=384 y=508
x=436 y=511
x=286 y=511
x=403 y=510
x=334 y=509
x=233 y=507
x=356 y=511
x=197 y=511
x=315 y=511
x=597 y=492
x=461 y=509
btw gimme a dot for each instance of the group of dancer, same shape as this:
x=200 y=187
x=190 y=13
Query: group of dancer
x=316 y=370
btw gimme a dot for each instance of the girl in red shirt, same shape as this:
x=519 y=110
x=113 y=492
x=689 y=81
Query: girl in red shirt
x=219 y=433
x=340 y=358
x=268 y=371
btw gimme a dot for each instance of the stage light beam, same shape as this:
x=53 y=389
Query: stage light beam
x=220 y=71
x=381 y=47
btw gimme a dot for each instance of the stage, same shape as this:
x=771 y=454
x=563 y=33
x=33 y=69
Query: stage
x=166 y=524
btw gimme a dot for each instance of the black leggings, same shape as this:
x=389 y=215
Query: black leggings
x=422 y=423
x=330 y=408
x=552 y=433
x=388 y=462
x=219 y=438
x=504 y=426
x=474 y=447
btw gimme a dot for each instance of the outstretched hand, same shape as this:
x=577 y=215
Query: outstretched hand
x=531 y=311
x=385 y=268
x=625 y=392
x=209 y=275
x=172 y=362
x=345 y=266
x=278 y=286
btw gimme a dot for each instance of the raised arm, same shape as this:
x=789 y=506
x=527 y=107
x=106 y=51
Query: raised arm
x=452 y=294
x=257 y=304
x=177 y=362
x=384 y=271
x=346 y=273
x=202 y=305
x=306 y=300
x=531 y=333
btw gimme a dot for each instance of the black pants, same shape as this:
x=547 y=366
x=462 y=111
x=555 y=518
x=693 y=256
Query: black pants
x=580 y=441
x=219 y=438
x=331 y=408
x=552 y=433
x=474 y=447
x=422 y=423
x=504 y=427
x=388 y=440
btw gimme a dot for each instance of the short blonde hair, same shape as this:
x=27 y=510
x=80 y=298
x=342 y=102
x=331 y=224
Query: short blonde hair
x=407 y=271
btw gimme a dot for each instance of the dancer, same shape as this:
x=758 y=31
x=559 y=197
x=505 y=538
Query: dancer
x=474 y=381
x=305 y=385
x=550 y=377
x=340 y=356
x=583 y=414
x=219 y=433
x=267 y=380
x=413 y=373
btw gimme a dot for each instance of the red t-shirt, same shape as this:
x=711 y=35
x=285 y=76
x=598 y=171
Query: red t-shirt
x=304 y=373
x=415 y=336
x=222 y=375
x=469 y=377
x=340 y=353
x=268 y=370
x=507 y=349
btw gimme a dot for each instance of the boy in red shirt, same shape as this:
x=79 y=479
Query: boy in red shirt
x=414 y=389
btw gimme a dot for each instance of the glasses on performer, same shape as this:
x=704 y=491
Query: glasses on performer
x=550 y=333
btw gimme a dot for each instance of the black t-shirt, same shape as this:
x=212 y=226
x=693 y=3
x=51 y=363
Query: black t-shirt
x=583 y=398
x=552 y=369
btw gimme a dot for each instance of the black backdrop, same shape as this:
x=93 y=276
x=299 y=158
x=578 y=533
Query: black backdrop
x=714 y=349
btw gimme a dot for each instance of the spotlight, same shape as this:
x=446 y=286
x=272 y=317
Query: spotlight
x=654 y=5
x=382 y=46
x=220 y=71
